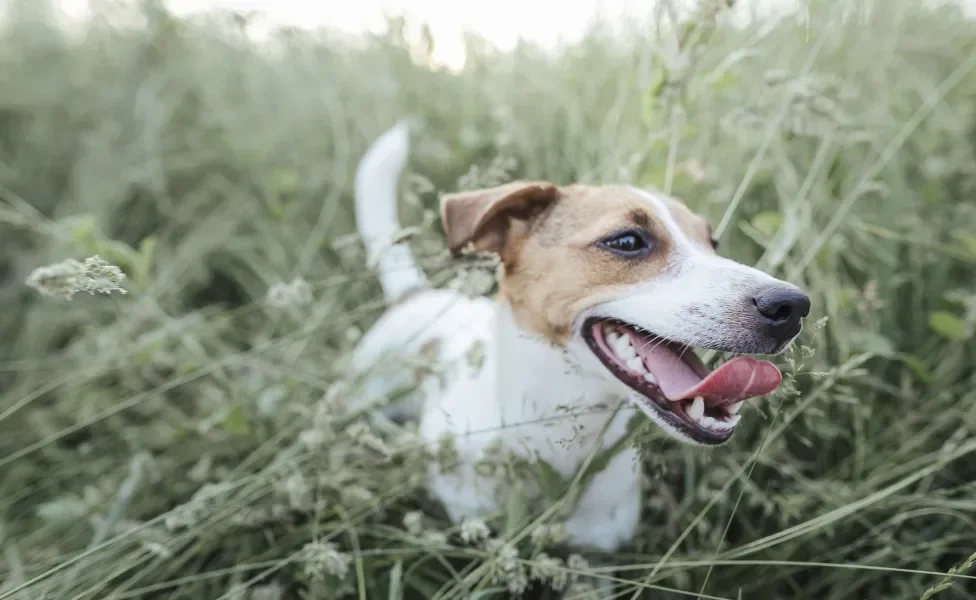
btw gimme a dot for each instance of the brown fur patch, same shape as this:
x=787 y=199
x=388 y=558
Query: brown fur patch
x=557 y=270
x=428 y=353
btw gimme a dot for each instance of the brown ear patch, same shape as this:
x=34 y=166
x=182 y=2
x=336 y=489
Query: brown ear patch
x=483 y=217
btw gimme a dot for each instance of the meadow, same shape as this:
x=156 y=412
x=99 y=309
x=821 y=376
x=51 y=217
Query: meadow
x=193 y=437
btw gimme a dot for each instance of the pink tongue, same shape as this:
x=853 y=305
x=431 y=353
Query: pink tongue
x=740 y=378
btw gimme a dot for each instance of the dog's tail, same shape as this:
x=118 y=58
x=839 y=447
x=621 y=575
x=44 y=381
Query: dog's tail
x=377 y=177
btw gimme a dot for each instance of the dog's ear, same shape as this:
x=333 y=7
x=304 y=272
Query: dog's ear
x=483 y=217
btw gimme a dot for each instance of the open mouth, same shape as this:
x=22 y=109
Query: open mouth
x=675 y=384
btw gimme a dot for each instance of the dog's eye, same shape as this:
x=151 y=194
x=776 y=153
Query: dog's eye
x=627 y=243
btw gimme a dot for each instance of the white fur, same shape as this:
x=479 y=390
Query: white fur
x=376 y=212
x=527 y=395
x=535 y=399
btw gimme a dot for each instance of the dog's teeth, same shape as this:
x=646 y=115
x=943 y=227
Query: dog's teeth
x=650 y=378
x=612 y=338
x=636 y=364
x=708 y=422
x=625 y=350
x=697 y=410
x=734 y=408
x=733 y=420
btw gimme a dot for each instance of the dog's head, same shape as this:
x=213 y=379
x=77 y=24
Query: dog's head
x=628 y=282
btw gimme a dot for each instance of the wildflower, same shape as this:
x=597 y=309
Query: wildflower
x=505 y=554
x=298 y=492
x=497 y=173
x=407 y=442
x=434 y=539
x=518 y=582
x=505 y=566
x=313 y=439
x=575 y=562
x=197 y=508
x=420 y=184
x=334 y=403
x=357 y=430
x=210 y=491
x=294 y=294
x=474 y=531
x=476 y=272
x=582 y=591
x=356 y=495
x=413 y=522
x=184 y=516
x=948 y=579
x=250 y=517
x=549 y=569
x=365 y=438
x=103 y=278
x=548 y=534
x=324 y=558
x=447 y=455
x=270 y=399
x=400 y=236
x=157 y=549
x=279 y=295
x=272 y=591
x=66 y=278
x=63 y=279
x=473 y=282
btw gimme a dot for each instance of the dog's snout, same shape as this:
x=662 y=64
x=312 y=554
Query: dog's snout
x=782 y=309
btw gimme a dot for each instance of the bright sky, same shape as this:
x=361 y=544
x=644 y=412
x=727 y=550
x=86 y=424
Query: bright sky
x=501 y=22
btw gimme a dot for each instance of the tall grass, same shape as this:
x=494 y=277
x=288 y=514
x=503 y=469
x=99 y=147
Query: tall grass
x=192 y=438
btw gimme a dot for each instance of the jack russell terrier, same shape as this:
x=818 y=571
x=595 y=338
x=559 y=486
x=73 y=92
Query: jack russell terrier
x=605 y=292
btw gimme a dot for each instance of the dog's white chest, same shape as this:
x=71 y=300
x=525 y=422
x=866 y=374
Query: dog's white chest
x=500 y=393
x=496 y=392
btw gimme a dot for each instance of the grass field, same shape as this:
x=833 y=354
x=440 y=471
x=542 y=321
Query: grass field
x=192 y=438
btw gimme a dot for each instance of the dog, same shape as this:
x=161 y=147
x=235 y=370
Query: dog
x=605 y=293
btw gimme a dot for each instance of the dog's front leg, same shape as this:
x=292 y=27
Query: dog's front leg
x=608 y=512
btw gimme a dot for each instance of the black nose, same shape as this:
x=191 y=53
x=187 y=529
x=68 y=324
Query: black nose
x=781 y=309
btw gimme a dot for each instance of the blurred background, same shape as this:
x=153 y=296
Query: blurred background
x=191 y=437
